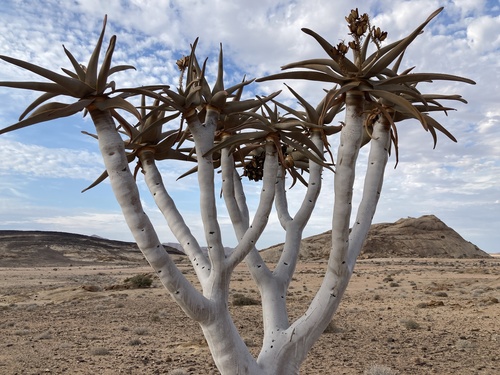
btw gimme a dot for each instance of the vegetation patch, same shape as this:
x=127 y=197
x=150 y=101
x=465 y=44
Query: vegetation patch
x=242 y=300
x=144 y=280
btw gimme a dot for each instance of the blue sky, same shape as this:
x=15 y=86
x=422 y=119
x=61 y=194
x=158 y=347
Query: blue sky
x=44 y=168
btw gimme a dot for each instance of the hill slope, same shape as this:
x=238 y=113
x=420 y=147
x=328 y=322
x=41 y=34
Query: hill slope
x=39 y=248
x=423 y=237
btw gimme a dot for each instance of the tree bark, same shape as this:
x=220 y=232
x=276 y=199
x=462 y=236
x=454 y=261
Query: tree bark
x=127 y=195
x=174 y=219
x=292 y=345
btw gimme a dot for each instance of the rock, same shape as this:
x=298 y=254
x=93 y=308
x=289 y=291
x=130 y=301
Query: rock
x=423 y=237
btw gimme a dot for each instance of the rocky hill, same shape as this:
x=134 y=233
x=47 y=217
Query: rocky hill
x=423 y=237
x=39 y=248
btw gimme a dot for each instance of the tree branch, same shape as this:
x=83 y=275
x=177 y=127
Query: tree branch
x=294 y=227
x=281 y=202
x=377 y=161
x=203 y=135
x=252 y=234
x=172 y=215
x=127 y=195
x=296 y=341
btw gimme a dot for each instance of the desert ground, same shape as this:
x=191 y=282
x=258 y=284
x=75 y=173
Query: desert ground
x=414 y=316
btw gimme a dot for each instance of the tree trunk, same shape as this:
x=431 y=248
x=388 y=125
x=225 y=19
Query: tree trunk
x=229 y=351
x=127 y=195
x=292 y=345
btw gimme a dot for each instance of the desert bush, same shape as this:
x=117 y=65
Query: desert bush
x=91 y=288
x=380 y=370
x=441 y=294
x=141 y=331
x=424 y=305
x=135 y=342
x=242 y=300
x=43 y=336
x=155 y=318
x=140 y=281
x=99 y=351
x=332 y=328
x=411 y=324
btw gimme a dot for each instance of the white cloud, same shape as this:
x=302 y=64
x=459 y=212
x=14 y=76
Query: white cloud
x=468 y=7
x=39 y=161
x=458 y=182
x=482 y=33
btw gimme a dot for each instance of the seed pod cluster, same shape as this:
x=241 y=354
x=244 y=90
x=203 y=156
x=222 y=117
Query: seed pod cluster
x=254 y=169
x=379 y=34
x=341 y=49
x=183 y=63
x=358 y=25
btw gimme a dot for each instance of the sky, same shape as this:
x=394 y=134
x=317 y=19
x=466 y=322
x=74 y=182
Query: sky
x=44 y=168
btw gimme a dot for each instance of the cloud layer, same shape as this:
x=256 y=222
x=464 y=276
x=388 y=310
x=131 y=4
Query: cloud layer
x=457 y=182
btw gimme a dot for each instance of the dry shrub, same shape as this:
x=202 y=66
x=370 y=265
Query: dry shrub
x=411 y=324
x=140 y=281
x=99 y=351
x=242 y=300
x=332 y=328
x=424 y=305
x=141 y=331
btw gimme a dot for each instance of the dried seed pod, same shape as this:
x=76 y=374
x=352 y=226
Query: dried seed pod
x=254 y=169
x=342 y=48
x=183 y=63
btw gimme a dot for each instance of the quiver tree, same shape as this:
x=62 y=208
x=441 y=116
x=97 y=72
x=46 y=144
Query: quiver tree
x=218 y=131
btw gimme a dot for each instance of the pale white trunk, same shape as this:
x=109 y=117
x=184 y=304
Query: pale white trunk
x=281 y=202
x=248 y=237
x=374 y=178
x=274 y=290
x=292 y=345
x=203 y=135
x=127 y=195
x=229 y=351
x=295 y=226
x=174 y=219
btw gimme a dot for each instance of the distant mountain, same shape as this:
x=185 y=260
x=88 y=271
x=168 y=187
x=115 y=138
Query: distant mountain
x=423 y=237
x=41 y=248
x=177 y=246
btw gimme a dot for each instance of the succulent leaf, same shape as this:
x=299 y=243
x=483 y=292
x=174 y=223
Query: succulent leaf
x=48 y=112
x=74 y=87
x=330 y=50
x=386 y=59
x=91 y=73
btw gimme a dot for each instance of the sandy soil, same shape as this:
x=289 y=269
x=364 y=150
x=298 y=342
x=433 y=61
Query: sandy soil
x=416 y=316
